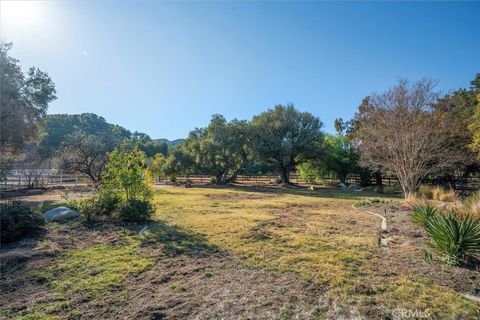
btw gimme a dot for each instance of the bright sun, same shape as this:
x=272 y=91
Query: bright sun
x=20 y=13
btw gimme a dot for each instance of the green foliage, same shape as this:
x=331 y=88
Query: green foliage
x=17 y=221
x=158 y=164
x=97 y=207
x=285 y=136
x=24 y=99
x=340 y=156
x=474 y=128
x=178 y=162
x=368 y=201
x=456 y=237
x=125 y=176
x=61 y=128
x=422 y=213
x=136 y=210
x=310 y=172
x=221 y=149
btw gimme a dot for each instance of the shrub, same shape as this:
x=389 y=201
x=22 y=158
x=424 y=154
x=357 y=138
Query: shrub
x=425 y=191
x=471 y=204
x=17 y=220
x=423 y=212
x=94 y=208
x=368 y=201
x=437 y=193
x=457 y=238
x=135 y=210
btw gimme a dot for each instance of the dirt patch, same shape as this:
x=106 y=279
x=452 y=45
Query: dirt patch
x=217 y=287
x=406 y=242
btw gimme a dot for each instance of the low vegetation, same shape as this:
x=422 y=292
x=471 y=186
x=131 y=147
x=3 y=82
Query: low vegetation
x=454 y=234
x=17 y=221
x=422 y=213
x=368 y=201
x=438 y=193
x=456 y=238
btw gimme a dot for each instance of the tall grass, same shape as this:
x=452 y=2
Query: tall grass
x=471 y=205
x=437 y=193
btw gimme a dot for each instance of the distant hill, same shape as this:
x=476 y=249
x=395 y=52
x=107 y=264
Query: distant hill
x=172 y=143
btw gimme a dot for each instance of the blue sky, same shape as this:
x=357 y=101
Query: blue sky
x=164 y=68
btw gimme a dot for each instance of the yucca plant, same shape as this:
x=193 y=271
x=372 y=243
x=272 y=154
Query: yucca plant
x=455 y=237
x=422 y=212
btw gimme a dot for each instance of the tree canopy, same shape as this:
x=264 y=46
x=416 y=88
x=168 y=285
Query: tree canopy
x=24 y=100
x=284 y=136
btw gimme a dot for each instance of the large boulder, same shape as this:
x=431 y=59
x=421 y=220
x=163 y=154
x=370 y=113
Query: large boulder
x=60 y=214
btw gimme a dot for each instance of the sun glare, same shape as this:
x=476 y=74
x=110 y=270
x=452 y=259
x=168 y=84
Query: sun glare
x=20 y=13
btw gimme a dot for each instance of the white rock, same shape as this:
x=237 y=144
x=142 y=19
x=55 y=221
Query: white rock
x=60 y=214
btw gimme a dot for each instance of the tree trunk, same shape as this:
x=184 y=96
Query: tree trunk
x=378 y=179
x=285 y=174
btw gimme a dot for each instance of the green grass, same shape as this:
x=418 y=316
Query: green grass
x=93 y=273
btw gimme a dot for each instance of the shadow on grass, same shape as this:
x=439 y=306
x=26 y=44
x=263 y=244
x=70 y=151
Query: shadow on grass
x=176 y=240
x=299 y=190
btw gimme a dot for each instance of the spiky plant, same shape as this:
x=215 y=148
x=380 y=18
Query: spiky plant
x=422 y=212
x=456 y=238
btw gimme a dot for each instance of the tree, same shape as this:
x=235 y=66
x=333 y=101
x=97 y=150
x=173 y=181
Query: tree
x=158 y=164
x=59 y=127
x=81 y=142
x=285 y=136
x=24 y=100
x=399 y=132
x=86 y=154
x=339 y=155
x=474 y=128
x=458 y=111
x=126 y=175
x=178 y=162
x=219 y=149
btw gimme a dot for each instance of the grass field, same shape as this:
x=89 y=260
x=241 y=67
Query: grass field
x=236 y=253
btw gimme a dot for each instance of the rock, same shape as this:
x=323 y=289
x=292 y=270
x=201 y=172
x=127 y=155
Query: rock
x=342 y=186
x=354 y=186
x=312 y=188
x=61 y=214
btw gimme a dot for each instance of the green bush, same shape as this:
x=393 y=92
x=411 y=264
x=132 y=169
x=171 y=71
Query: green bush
x=97 y=207
x=368 y=201
x=17 y=221
x=455 y=237
x=421 y=213
x=135 y=211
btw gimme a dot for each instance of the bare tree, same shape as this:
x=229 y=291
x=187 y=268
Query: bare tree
x=399 y=132
x=86 y=154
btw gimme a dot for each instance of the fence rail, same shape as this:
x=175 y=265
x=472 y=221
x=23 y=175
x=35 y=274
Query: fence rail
x=19 y=179
x=471 y=183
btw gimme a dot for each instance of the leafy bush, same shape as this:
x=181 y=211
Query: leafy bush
x=423 y=212
x=17 y=220
x=456 y=237
x=94 y=208
x=127 y=175
x=136 y=211
x=368 y=201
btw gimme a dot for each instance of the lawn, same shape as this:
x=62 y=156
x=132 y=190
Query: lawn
x=232 y=252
